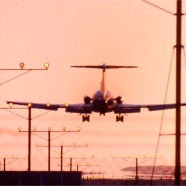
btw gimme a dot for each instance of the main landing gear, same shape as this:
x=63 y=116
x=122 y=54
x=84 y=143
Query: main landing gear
x=86 y=117
x=119 y=118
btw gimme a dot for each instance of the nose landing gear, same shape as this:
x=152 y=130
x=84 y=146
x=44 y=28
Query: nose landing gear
x=85 y=117
x=119 y=118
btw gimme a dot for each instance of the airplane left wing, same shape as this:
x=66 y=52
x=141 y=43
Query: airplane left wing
x=132 y=108
x=73 y=108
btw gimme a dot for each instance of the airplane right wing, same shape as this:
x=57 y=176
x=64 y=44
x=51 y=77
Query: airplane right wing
x=132 y=108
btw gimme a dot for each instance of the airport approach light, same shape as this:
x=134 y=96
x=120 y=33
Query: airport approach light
x=11 y=105
x=79 y=128
x=29 y=105
x=22 y=65
x=34 y=129
x=46 y=65
x=19 y=129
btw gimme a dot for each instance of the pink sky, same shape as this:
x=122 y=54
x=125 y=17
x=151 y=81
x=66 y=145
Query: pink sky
x=75 y=32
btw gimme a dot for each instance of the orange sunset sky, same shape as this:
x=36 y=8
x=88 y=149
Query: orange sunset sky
x=90 y=32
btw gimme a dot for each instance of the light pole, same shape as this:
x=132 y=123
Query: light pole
x=73 y=147
x=46 y=65
x=80 y=159
x=136 y=162
x=64 y=131
x=29 y=135
x=13 y=158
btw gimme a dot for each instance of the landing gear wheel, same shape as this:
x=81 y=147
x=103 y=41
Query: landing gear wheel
x=119 y=118
x=86 y=118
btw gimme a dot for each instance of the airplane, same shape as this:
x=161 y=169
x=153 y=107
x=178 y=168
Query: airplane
x=102 y=101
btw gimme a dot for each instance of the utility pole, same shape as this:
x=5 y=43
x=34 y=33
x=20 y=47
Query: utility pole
x=178 y=92
x=179 y=47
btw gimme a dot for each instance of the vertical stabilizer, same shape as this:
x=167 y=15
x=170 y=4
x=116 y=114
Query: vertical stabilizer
x=103 y=83
x=104 y=67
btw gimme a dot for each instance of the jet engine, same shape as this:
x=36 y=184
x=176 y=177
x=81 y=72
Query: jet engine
x=87 y=99
x=119 y=99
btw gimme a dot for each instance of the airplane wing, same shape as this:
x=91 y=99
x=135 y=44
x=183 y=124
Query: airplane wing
x=73 y=108
x=132 y=108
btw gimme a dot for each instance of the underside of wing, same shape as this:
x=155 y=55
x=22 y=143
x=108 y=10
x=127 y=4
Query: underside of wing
x=132 y=108
x=73 y=108
x=79 y=108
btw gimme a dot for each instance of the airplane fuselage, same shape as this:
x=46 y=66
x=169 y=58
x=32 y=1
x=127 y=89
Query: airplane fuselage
x=103 y=103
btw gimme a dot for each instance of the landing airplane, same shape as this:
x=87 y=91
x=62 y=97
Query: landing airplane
x=102 y=101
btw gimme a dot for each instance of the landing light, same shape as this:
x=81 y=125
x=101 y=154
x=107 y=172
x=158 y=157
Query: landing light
x=66 y=104
x=48 y=104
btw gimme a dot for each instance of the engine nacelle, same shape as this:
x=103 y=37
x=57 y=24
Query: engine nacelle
x=87 y=99
x=119 y=100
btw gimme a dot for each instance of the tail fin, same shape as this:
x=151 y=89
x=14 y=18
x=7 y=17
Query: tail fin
x=104 y=67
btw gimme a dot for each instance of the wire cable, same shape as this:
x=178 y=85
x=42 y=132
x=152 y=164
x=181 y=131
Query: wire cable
x=14 y=77
x=161 y=124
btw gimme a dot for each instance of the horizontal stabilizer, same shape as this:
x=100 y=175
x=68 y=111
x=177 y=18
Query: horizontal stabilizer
x=104 y=66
